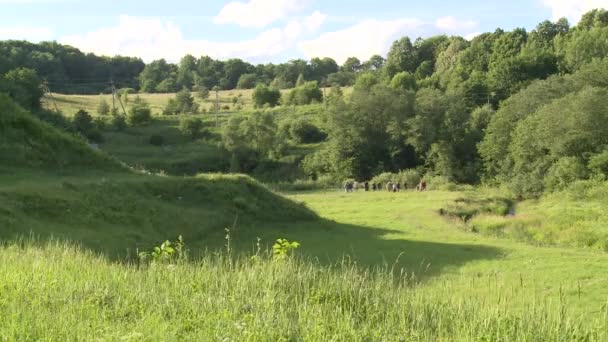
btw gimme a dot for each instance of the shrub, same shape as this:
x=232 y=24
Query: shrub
x=83 y=122
x=157 y=140
x=182 y=103
x=119 y=122
x=305 y=94
x=202 y=92
x=247 y=81
x=304 y=132
x=598 y=164
x=191 y=127
x=139 y=113
x=263 y=95
x=564 y=172
x=103 y=108
x=411 y=178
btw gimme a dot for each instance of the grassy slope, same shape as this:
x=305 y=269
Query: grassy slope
x=54 y=184
x=180 y=155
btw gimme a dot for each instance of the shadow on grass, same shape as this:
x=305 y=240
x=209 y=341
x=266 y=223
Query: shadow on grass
x=329 y=242
x=119 y=217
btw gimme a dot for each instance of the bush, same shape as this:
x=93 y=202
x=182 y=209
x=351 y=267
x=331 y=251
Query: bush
x=247 y=81
x=182 y=103
x=119 y=122
x=304 y=132
x=191 y=127
x=598 y=164
x=564 y=172
x=411 y=178
x=157 y=140
x=305 y=94
x=202 y=92
x=263 y=95
x=83 y=122
x=139 y=113
x=103 y=108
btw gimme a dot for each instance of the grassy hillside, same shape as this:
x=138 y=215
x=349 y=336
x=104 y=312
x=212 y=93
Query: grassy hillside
x=53 y=184
x=27 y=142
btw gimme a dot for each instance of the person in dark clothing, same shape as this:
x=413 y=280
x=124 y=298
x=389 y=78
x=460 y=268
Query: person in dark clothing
x=366 y=186
x=398 y=187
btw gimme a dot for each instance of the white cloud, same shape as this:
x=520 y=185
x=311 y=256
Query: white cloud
x=257 y=13
x=452 y=24
x=573 y=9
x=314 y=21
x=471 y=36
x=155 y=38
x=362 y=40
x=34 y=34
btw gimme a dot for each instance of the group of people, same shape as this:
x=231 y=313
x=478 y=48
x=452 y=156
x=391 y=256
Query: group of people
x=390 y=186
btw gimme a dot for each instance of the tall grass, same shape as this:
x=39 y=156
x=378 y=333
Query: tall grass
x=56 y=291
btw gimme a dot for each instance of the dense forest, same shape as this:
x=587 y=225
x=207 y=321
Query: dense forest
x=524 y=109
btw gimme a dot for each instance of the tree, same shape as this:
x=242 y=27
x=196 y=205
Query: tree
x=594 y=18
x=139 y=113
x=352 y=64
x=103 y=108
x=183 y=103
x=186 y=71
x=305 y=94
x=264 y=95
x=320 y=68
x=154 y=77
x=498 y=135
x=401 y=57
x=247 y=81
x=191 y=127
x=304 y=132
x=376 y=62
x=202 y=92
x=404 y=81
x=23 y=86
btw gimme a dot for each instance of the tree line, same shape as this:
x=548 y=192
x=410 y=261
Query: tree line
x=522 y=109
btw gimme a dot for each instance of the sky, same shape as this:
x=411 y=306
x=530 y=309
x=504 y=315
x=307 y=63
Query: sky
x=262 y=31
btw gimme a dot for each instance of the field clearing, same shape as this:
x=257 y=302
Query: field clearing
x=70 y=104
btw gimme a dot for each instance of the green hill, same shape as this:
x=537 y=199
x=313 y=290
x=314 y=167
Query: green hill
x=54 y=185
x=26 y=142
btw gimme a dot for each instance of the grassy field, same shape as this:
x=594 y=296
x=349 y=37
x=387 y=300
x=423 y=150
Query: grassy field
x=370 y=267
x=236 y=100
x=70 y=104
x=376 y=267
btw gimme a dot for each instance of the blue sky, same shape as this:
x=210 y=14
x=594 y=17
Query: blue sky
x=265 y=30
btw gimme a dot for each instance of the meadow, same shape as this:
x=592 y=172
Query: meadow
x=370 y=266
x=375 y=266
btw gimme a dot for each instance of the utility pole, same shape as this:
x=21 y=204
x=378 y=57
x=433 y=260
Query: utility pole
x=47 y=90
x=217 y=105
x=113 y=97
x=119 y=100
x=324 y=95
